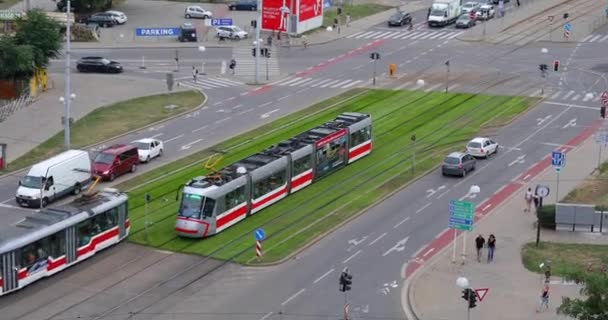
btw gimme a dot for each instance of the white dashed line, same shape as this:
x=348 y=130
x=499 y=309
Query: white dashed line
x=293 y=297
x=324 y=275
x=174 y=138
x=423 y=207
x=377 y=239
x=351 y=257
x=401 y=222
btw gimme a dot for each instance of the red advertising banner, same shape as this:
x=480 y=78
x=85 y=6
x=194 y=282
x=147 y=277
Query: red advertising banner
x=310 y=9
x=272 y=18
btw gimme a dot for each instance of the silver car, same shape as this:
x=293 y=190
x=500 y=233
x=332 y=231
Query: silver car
x=458 y=164
x=197 y=12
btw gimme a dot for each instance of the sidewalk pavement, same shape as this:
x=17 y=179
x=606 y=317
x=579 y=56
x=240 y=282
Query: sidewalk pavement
x=31 y=125
x=514 y=292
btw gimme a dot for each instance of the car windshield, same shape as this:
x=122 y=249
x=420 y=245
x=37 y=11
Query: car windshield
x=469 y=5
x=143 y=145
x=104 y=158
x=31 y=182
x=193 y=205
x=236 y=29
x=464 y=18
x=397 y=16
x=452 y=160
x=474 y=145
x=437 y=12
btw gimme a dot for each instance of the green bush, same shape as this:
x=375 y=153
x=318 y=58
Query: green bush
x=547 y=216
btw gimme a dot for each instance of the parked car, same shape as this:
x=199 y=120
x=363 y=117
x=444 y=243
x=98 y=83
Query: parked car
x=486 y=12
x=118 y=16
x=65 y=173
x=465 y=21
x=187 y=33
x=102 y=19
x=115 y=161
x=149 y=148
x=251 y=5
x=231 y=32
x=98 y=64
x=399 y=19
x=458 y=164
x=197 y=12
x=482 y=147
x=470 y=6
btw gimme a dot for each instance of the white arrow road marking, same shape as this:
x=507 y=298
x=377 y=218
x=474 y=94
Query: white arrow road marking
x=571 y=123
x=189 y=145
x=267 y=114
x=400 y=246
x=519 y=159
x=540 y=121
x=384 y=291
x=354 y=242
x=468 y=196
x=392 y=284
x=431 y=192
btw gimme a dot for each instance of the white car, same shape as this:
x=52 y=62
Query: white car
x=149 y=148
x=470 y=6
x=482 y=147
x=118 y=16
x=197 y=12
x=231 y=32
x=486 y=12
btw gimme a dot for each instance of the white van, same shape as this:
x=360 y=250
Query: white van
x=58 y=176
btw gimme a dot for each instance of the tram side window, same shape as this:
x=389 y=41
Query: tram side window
x=235 y=197
x=360 y=136
x=269 y=183
x=123 y=209
x=57 y=244
x=34 y=253
x=87 y=230
x=302 y=165
x=107 y=220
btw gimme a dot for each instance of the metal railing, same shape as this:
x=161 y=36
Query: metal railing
x=10 y=106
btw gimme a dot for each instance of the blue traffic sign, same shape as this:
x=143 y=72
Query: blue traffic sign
x=558 y=159
x=461 y=215
x=157 y=32
x=221 y=22
x=259 y=234
x=455 y=220
x=568 y=26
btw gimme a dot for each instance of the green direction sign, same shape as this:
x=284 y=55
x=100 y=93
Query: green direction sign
x=461 y=215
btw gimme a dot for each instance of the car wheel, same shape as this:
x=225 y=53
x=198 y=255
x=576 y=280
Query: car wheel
x=205 y=17
x=443 y=173
x=464 y=172
x=188 y=16
x=77 y=189
x=44 y=202
x=253 y=8
x=160 y=153
x=487 y=154
x=80 y=69
x=133 y=168
x=231 y=8
x=496 y=150
x=147 y=160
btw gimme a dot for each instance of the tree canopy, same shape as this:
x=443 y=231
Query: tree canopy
x=593 y=303
x=16 y=60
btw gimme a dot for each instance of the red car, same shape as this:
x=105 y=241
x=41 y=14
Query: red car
x=115 y=161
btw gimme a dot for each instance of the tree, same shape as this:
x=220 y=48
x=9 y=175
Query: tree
x=40 y=32
x=16 y=60
x=593 y=305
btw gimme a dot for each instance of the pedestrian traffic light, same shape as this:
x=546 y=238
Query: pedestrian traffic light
x=345 y=281
x=254 y=24
x=253 y=52
x=543 y=67
x=556 y=65
x=472 y=299
x=465 y=294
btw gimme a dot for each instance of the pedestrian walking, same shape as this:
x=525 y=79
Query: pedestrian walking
x=347 y=20
x=528 y=198
x=194 y=73
x=479 y=242
x=233 y=65
x=518 y=4
x=491 y=247
x=544 y=299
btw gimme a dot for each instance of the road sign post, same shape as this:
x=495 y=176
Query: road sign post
x=260 y=235
x=567 y=30
x=462 y=216
x=540 y=192
x=601 y=138
x=558 y=160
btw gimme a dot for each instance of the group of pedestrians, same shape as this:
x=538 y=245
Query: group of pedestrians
x=480 y=243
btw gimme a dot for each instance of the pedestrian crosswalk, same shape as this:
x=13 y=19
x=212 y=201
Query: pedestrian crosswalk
x=407 y=35
x=597 y=38
x=245 y=64
x=574 y=96
x=208 y=83
x=323 y=83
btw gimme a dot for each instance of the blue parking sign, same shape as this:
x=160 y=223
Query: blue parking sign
x=221 y=22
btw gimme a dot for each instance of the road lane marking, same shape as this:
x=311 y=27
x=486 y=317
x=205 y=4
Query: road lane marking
x=283 y=98
x=377 y=239
x=400 y=246
x=245 y=111
x=237 y=106
x=443 y=194
x=324 y=275
x=293 y=297
x=264 y=104
x=266 y=316
x=351 y=257
x=188 y=145
x=423 y=207
x=571 y=105
x=199 y=129
x=156 y=135
x=267 y=114
x=174 y=138
x=222 y=120
x=401 y=222
x=218 y=103
x=231 y=98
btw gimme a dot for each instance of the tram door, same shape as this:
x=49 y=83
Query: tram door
x=71 y=241
x=9 y=271
x=122 y=218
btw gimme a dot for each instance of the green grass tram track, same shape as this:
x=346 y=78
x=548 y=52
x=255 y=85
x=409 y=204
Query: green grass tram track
x=415 y=115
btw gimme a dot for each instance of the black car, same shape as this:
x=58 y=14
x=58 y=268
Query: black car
x=98 y=64
x=102 y=19
x=399 y=19
x=251 y=5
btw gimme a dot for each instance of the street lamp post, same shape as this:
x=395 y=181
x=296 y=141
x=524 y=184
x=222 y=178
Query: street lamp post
x=67 y=94
x=463 y=283
x=447 y=75
x=202 y=49
x=66 y=119
x=473 y=190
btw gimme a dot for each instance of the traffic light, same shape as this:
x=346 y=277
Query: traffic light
x=253 y=52
x=470 y=296
x=542 y=67
x=254 y=24
x=566 y=15
x=556 y=65
x=465 y=294
x=346 y=280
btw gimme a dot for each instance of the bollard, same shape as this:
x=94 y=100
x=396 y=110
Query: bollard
x=143 y=62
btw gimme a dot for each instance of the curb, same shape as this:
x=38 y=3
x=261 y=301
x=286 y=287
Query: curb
x=205 y=99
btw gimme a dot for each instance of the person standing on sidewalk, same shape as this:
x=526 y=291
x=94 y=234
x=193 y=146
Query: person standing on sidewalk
x=491 y=247
x=528 y=197
x=544 y=299
x=194 y=73
x=479 y=242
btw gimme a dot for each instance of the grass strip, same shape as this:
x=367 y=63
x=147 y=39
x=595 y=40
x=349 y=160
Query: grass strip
x=440 y=120
x=110 y=121
x=564 y=257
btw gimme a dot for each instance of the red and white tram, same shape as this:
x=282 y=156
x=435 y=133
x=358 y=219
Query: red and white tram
x=210 y=204
x=46 y=242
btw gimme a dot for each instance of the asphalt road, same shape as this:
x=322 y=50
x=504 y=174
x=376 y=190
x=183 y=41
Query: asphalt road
x=374 y=246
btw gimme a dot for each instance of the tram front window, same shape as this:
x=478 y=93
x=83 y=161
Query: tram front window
x=193 y=206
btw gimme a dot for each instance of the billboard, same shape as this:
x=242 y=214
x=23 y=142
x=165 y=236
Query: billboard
x=272 y=18
x=309 y=9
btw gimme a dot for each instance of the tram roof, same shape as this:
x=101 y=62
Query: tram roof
x=281 y=149
x=52 y=217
